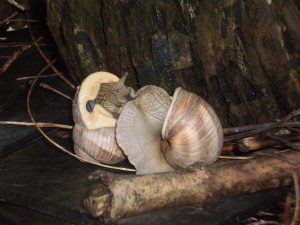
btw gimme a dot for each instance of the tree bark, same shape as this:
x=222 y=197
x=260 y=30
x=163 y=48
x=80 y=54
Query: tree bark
x=241 y=56
x=132 y=195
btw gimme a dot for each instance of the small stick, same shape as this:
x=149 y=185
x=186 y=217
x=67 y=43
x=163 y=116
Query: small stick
x=231 y=130
x=48 y=61
x=40 y=124
x=235 y=157
x=42 y=76
x=261 y=128
x=17 y=53
x=48 y=87
x=8 y=18
x=280 y=157
x=19 y=44
x=53 y=142
x=16 y=4
x=296 y=217
x=285 y=142
x=23 y=20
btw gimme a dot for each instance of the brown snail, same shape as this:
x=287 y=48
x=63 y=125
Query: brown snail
x=160 y=134
x=156 y=132
x=94 y=130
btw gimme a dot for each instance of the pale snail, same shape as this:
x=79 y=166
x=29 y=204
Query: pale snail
x=157 y=133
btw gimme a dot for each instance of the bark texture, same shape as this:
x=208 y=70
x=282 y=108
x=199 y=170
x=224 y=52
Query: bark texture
x=132 y=195
x=241 y=56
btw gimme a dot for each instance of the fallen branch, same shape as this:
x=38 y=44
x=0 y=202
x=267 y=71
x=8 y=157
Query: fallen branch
x=40 y=124
x=132 y=195
x=17 y=53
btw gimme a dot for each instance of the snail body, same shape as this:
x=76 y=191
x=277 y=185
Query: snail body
x=156 y=132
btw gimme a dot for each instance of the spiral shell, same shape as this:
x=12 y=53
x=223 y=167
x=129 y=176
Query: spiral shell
x=88 y=90
x=138 y=130
x=192 y=130
x=99 y=145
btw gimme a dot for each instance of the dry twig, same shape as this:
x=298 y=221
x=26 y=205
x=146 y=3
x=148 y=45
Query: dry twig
x=48 y=61
x=32 y=77
x=16 y=4
x=17 y=53
x=40 y=124
x=8 y=18
x=260 y=129
x=48 y=87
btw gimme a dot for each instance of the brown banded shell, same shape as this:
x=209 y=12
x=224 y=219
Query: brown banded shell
x=88 y=90
x=138 y=130
x=99 y=145
x=192 y=130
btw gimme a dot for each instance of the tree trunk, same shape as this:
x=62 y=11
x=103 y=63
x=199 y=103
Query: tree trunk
x=241 y=56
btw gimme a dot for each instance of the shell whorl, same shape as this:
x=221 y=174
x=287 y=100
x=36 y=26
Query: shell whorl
x=99 y=145
x=192 y=130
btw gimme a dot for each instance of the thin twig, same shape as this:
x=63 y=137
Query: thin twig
x=235 y=157
x=261 y=128
x=20 y=44
x=48 y=87
x=16 y=4
x=24 y=20
x=285 y=142
x=53 y=142
x=60 y=74
x=42 y=76
x=280 y=157
x=8 y=18
x=40 y=124
x=233 y=130
x=17 y=53
x=296 y=217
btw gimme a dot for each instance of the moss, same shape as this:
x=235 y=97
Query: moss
x=86 y=55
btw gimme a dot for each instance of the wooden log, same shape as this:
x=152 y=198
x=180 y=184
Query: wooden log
x=198 y=186
x=241 y=56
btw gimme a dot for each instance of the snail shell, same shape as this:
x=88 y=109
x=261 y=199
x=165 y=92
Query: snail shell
x=192 y=130
x=97 y=145
x=88 y=90
x=138 y=130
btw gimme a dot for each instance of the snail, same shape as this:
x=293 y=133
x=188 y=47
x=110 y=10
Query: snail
x=157 y=133
x=94 y=130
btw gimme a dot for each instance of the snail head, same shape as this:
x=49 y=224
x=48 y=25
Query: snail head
x=112 y=96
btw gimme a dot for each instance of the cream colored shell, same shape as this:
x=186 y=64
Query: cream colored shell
x=192 y=131
x=87 y=91
x=97 y=145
